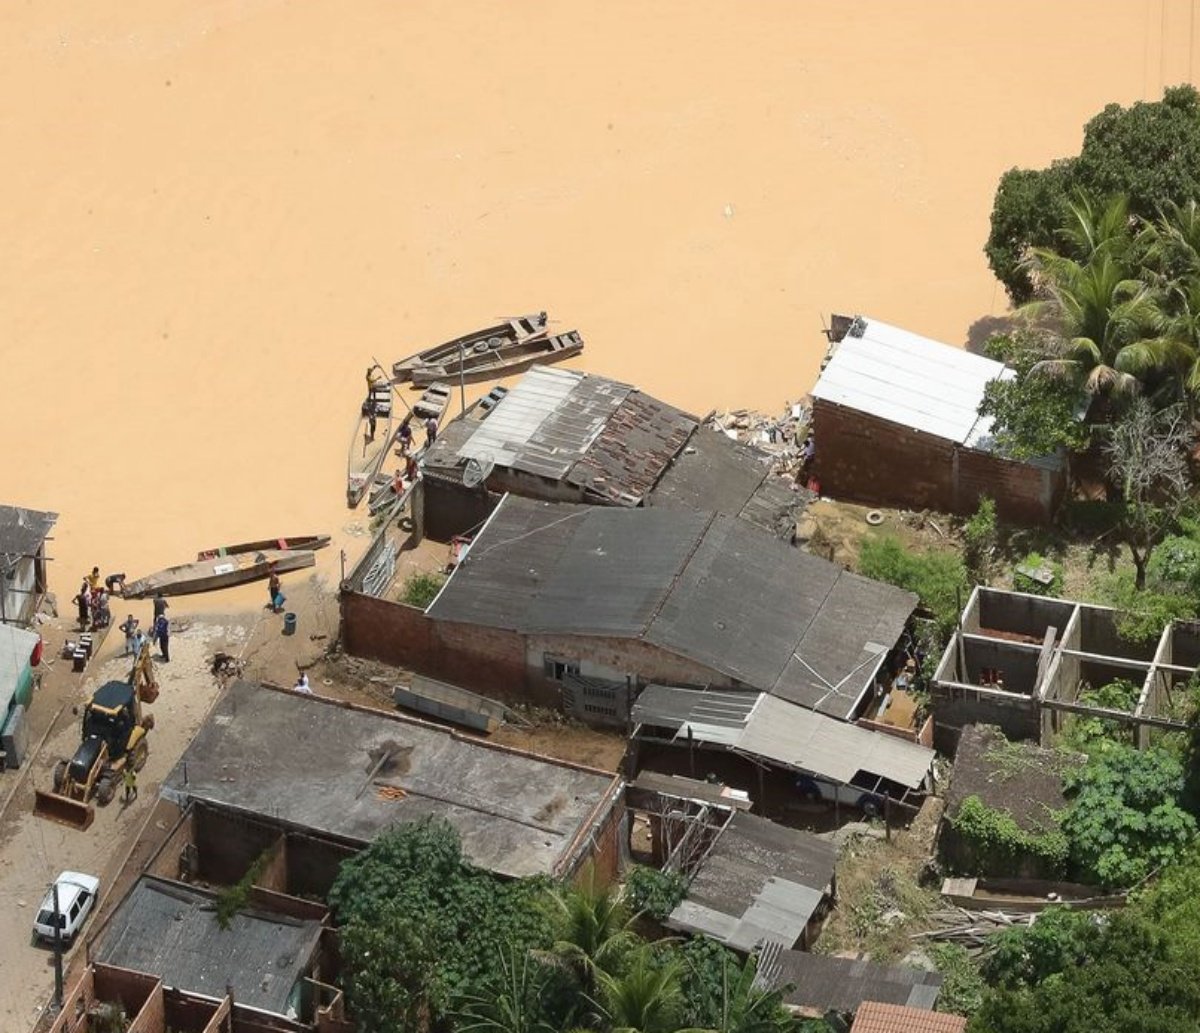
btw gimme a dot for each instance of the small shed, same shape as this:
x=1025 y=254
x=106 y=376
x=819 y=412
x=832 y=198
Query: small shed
x=896 y=422
x=760 y=883
x=23 y=536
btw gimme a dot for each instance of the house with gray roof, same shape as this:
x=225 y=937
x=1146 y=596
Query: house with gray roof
x=565 y=436
x=23 y=536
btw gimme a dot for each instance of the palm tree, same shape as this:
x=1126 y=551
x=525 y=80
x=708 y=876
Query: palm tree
x=514 y=1007
x=1102 y=319
x=594 y=932
x=745 y=1008
x=1178 y=344
x=1091 y=229
x=1172 y=242
x=646 y=998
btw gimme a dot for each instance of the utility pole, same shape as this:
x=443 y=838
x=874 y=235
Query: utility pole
x=462 y=380
x=58 y=953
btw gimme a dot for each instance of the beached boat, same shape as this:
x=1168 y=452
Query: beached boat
x=367 y=451
x=300 y=542
x=219 y=572
x=503 y=360
x=434 y=402
x=493 y=338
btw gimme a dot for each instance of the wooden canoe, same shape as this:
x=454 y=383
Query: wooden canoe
x=510 y=332
x=366 y=453
x=434 y=402
x=220 y=572
x=503 y=360
x=299 y=542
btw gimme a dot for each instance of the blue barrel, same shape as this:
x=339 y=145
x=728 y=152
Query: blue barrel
x=289 y=624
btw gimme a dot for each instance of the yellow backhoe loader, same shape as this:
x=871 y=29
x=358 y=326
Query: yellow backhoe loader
x=113 y=737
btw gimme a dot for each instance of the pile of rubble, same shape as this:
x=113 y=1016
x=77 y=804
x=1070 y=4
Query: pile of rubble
x=781 y=438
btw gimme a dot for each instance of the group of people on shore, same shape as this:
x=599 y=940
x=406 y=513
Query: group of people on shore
x=93 y=599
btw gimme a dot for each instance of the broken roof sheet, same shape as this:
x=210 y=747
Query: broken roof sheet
x=779 y=731
x=22 y=531
x=517 y=814
x=907 y=379
x=821 y=983
x=710 y=588
x=572 y=428
x=171 y=931
x=759 y=882
x=637 y=443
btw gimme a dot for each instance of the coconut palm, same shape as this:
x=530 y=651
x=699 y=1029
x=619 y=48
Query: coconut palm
x=1171 y=243
x=645 y=998
x=745 y=1008
x=594 y=930
x=1102 y=322
x=1093 y=229
x=515 y=1005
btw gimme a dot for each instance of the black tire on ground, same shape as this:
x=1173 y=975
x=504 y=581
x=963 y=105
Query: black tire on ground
x=138 y=758
x=106 y=789
x=60 y=775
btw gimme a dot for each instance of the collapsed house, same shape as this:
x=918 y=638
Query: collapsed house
x=23 y=537
x=896 y=422
x=580 y=606
x=1028 y=664
x=564 y=436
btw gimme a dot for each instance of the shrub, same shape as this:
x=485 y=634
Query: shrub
x=421 y=589
x=939 y=578
x=979 y=539
x=962 y=985
x=1143 y=614
x=1000 y=843
x=1175 y=564
x=1022 y=582
x=653 y=892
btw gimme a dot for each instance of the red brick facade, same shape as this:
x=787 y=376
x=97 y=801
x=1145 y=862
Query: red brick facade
x=861 y=458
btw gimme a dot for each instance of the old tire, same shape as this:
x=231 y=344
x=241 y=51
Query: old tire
x=148 y=722
x=60 y=776
x=138 y=756
x=106 y=789
x=875 y=518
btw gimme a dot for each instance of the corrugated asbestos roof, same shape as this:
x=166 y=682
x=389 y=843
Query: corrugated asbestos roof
x=506 y=432
x=822 y=983
x=16 y=647
x=759 y=882
x=910 y=380
x=710 y=588
x=171 y=931
x=776 y=730
x=22 y=531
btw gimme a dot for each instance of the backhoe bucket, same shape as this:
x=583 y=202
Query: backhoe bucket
x=63 y=809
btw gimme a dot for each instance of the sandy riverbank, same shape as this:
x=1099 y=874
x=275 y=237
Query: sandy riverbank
x=217 y=212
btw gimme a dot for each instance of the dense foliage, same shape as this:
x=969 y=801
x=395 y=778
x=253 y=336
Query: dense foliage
x=654 y=893
x=980 y=539
x=1149 y=152
x=938 y=578
x=1032 y=414
x=1000 y=844
x=1125 y=820
x=420 y=589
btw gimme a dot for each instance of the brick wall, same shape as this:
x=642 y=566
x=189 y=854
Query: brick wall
x=955 y=708
x=189 y=1014
x=313 y=864
x=380 y=629
x=228 y=844
x=165 y=862
x=865 y=459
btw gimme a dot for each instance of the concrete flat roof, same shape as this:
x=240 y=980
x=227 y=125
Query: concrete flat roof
x=308 y=763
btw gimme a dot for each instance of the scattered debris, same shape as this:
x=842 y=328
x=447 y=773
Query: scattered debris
x=780 y=437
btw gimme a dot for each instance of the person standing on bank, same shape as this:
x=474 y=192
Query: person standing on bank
x=162 y=632
x=129 y=777
x=160 y=604
x=275 y=590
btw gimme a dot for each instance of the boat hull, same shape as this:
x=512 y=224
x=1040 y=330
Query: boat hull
x=512 y=332
x=291 y=544
x=221 y=572
x=503 y=362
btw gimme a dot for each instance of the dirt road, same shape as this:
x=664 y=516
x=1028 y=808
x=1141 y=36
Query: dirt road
x=34 y=851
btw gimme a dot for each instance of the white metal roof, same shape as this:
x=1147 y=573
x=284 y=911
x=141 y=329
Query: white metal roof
x=775 y=729
x=518 y=415
x=904 y=378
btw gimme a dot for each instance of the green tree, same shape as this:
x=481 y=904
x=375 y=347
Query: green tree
x=592 y=930
x=1125 y=821
x=1026 y=955
x=720 y=992
x=1034 y=413
x=653 y=892
x=515 y=1005
x=390 y=974
x=645 y=998
x=1149 y=152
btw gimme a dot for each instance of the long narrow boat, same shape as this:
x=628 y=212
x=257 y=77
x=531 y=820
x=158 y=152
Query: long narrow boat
x=492 y=338
x=219 y=572
x=303 y=541
x=502 y=360
x=434 y=402
x=367 y=451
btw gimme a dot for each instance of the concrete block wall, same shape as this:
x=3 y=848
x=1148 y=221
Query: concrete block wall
x=228 y=844
x=312 y=864
x=447 y=508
